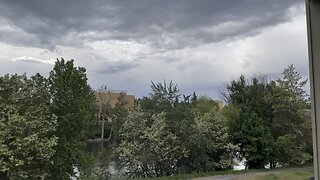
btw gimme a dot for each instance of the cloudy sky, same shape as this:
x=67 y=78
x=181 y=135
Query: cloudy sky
x=199 y=44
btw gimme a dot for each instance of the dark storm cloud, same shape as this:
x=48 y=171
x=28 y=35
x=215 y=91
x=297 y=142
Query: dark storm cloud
x=111 y=68
x=164 y=24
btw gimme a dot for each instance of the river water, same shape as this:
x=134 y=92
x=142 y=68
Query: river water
x=103 y=153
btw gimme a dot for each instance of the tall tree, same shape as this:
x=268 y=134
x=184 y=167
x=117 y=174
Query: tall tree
x=290 y=102
x=119 y=114
x=282 y=106
x=199 y=130
x=148 y=147
x=253 y=120
x=204 y=105
x=26 y=128
x=104 y=108
x=211 y=150
x=291 y=126
x=253 y=138
x=250 y=96
x=72 y=102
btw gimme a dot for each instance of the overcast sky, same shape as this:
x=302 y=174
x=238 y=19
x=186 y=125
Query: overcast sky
x=199 y=44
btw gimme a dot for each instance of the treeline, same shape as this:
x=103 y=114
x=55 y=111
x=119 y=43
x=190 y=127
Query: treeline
x=44 y=123
x=167 y=133
x=270 y=120
x=265 y=122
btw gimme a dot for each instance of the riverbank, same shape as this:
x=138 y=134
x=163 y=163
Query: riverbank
x=304 y=172
x=279 y=174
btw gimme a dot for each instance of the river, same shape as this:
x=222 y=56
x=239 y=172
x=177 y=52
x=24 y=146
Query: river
x=106 y=165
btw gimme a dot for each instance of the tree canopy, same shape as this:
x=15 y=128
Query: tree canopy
x=45 y=122
x=27 y=127
x=73 y=103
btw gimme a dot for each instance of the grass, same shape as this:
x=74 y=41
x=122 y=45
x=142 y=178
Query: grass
x=300 y=173
x=297 y=174
x=195 y=175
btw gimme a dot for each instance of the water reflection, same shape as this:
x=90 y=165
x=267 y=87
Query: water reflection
x=98 y=146
x=105 y=166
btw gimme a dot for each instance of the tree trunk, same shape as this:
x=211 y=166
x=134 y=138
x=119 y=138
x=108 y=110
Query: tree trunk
x=110 y=133
x=102 y=127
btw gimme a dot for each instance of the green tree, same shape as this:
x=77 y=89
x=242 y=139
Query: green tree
x=180 y=118
x=204 y=105
x=104 y=110
x=291 y=126
x=290 y=151
x=148 y=148
x=290 y=102
x=194 y=98
x=212 y=150
x=73 y=103
x=250 y=96
x=119 y=114
x=26 y=128
x=231 y=113
x=252 y=118
x=253 y=138
x=197 y=127
x=282 y=105
x=163 y=98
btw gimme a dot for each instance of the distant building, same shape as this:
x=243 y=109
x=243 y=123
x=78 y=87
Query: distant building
x=113 y=98
x=105 y=100
x=219 y=104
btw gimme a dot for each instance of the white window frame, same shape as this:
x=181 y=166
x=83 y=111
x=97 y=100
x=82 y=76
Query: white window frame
x=313 y=25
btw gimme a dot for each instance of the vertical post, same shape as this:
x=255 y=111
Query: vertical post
x=313 y=24
x=102 y=125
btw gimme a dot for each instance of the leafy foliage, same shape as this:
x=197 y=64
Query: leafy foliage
x=290 y=151
x=253 y=138
x=265 y=114
x=119 y=114
x=149 y=151
x=26 y=128
x=45 y=122
x=168 y=136
x=73 y=104
x=204 y=105
x=212 y=150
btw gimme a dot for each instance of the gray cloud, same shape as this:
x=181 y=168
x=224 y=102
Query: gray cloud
x=164 y=24
x=19 y=67
x=115 y=67
x=127 y=43
x=27 y=59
